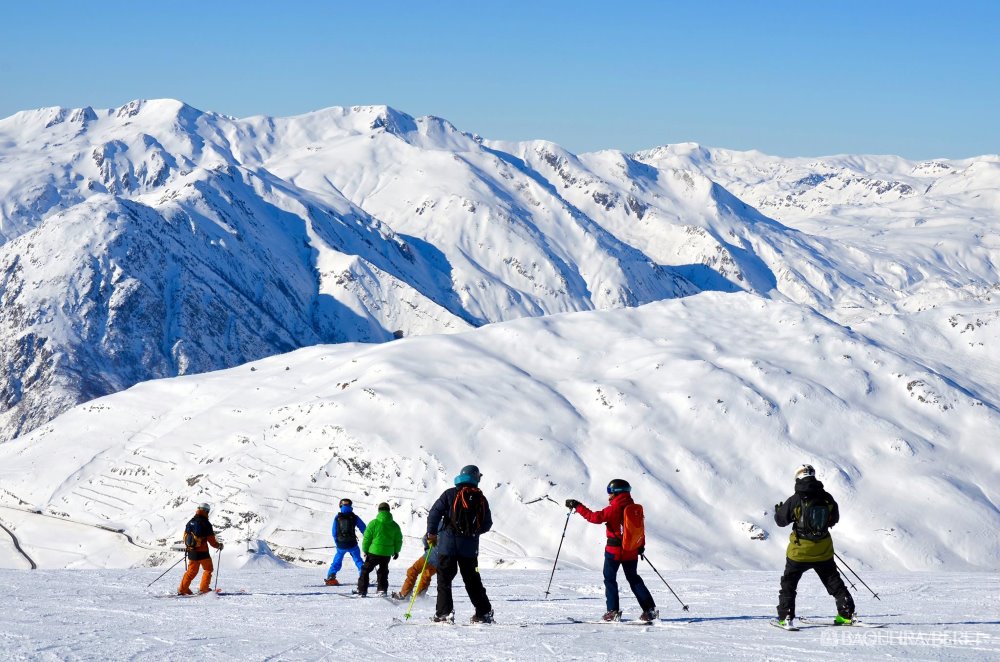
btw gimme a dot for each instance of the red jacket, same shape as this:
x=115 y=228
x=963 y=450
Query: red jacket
x=613 y=517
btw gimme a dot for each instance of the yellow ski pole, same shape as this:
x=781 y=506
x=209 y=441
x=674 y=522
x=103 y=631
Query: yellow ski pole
x=420 y=580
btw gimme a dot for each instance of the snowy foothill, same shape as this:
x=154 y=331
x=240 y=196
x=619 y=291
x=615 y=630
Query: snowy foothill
x=705 y=404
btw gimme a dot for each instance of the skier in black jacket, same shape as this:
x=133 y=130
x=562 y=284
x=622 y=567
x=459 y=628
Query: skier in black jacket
x=458 y=543
x=812 y=512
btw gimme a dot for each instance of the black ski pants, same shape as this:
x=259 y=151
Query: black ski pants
x=382 y=575
x=450 y=566
x=631 y=569
x=828 y=574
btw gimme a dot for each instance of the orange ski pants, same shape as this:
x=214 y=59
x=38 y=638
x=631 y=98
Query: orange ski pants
x=413 y=573
x=192 y=572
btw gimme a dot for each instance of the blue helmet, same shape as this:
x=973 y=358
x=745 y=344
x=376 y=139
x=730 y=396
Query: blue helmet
x=469 y=474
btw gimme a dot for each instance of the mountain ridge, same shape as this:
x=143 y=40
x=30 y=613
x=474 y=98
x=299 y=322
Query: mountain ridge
x=409 y=226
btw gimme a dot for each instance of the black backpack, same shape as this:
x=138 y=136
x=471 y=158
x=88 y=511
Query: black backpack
x=468 y=511
x=345 y=530
x=195 y=533
x=813 y=521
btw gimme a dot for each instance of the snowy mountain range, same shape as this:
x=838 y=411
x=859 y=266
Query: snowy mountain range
x=732 y=315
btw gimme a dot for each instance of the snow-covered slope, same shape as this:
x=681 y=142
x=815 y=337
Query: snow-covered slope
x=706 y=404
x=729 y=315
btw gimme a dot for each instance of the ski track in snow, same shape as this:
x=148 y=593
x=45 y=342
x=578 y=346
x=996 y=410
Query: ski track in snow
x=112 y=615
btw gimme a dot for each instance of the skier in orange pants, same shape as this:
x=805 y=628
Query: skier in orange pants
x=198 y=535
x=414 y=572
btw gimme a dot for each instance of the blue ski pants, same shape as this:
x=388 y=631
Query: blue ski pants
x=338 y=559
x=631 y=569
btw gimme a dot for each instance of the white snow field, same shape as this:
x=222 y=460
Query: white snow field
x=290 y=615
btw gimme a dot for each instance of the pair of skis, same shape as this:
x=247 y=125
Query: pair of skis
x=816 y=622
x=399 y=622
x=217 y=591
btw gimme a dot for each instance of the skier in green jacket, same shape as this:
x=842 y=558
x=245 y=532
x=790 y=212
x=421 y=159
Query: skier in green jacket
x=383 y=540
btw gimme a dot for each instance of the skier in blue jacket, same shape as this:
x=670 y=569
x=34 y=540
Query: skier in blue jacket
x=346 y=539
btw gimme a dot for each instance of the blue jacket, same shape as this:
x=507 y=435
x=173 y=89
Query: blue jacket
x=358 y=522
x=432 y=560
x=449 y=542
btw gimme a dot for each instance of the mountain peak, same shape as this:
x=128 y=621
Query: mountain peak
x=158 y=109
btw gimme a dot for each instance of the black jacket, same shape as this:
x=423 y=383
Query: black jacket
x=809 y=486
x=451 y=543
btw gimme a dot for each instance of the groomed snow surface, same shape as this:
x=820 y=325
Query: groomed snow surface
x=288 y=614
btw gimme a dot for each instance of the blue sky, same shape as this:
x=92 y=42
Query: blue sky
x=918 y=79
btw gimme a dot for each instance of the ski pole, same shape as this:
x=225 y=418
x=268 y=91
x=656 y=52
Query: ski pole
x=565 y=526
x=218 y=571
x=859 y=578
x=846 y=579
x=306 y=549
x=663 y=580
x=167 y=570
x=420 y=580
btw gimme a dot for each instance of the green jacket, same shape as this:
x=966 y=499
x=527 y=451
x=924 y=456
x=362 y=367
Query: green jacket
x=383 y=537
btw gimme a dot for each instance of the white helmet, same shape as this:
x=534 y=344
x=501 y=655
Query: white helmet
x=207 y=507
x=805 y=471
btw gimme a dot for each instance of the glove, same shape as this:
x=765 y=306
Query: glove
x=395 y=556
x=641 y=550
x=572 y=503
x=432 y=539
x=221 y=546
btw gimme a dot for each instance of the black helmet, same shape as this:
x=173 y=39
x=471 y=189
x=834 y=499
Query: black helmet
x=469 y=474
x=619 y=485
x=346 y=502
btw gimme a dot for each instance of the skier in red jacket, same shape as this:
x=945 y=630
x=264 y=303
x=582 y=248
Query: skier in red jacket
x=614 y=555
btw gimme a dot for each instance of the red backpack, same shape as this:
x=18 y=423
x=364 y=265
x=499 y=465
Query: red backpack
x=633 y=528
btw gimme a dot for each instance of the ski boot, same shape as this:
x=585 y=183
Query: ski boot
x=787 y=623
x=650 y=615
x=332 y=581
x=482 y=618
x=613 y=615
x=396 y=595
x=445 y=618
x=381 y=594
x=356 y=592
x=841 y=620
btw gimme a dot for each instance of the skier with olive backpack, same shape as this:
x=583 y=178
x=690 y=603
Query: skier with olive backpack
x=812 y=512
x=626 y=543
